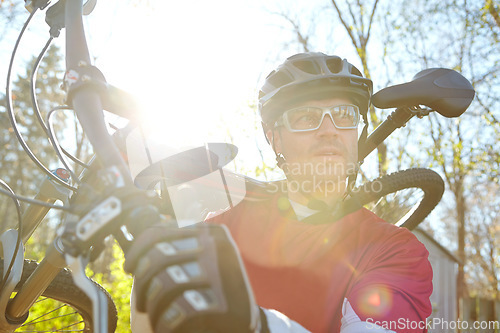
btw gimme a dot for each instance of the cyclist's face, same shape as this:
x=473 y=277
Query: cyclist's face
x=326 y=153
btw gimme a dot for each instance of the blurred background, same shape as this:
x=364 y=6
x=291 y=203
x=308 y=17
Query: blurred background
x=196 y=66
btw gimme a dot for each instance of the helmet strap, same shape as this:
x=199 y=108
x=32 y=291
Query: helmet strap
x=280 y=158
x=351 y=180
x=363 y=136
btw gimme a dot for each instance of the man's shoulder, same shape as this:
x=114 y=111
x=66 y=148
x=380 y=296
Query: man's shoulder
x=376 y=228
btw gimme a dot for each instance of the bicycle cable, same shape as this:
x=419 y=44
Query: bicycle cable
x=10 y=111
x=36 y=108
x=55 y=143
x=34 y=201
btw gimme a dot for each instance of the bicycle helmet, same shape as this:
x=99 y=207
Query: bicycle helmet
x=312 y=75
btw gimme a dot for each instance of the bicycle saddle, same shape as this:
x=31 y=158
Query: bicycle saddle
x=443 y=90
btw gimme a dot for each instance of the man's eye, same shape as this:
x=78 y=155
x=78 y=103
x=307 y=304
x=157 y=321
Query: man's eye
x=306 y=118
x=344 y=113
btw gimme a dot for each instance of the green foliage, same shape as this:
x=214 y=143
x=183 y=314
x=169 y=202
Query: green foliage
x=16 y=168
x=118 y=284
x=49 y=315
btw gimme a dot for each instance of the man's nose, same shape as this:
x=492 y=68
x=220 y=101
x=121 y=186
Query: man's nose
x=327 y=126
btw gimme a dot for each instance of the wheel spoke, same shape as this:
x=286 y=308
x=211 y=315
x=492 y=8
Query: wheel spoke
x=54 y=330
x=45 y=314
x=28 y=326
x=33 y=322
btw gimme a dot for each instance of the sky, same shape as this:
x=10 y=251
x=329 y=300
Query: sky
x=194 y=65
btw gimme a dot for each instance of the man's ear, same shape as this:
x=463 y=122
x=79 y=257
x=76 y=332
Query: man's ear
x=272 y=137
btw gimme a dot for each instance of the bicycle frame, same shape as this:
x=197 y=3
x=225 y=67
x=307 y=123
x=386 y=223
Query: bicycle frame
x=87 y=106
x=85 y=85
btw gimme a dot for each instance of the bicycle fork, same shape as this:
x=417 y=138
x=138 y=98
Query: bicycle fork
x=16 y=309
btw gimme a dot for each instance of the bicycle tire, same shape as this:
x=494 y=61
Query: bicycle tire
x=63 y=290
x=431 y=184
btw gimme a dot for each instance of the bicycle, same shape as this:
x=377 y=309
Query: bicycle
x=103 y=199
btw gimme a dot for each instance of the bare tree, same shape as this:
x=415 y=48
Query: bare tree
x=357 y=23
x=483 y=237
x=411 y=36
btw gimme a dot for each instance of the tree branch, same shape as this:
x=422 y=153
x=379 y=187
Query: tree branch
x=304 y=41
x=372 y=15
x=493 y=11
x=346 y=26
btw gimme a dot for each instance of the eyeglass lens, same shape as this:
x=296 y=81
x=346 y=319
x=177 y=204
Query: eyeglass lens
x=343 y=116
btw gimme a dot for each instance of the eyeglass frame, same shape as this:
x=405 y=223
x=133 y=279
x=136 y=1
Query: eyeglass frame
x=283 y=120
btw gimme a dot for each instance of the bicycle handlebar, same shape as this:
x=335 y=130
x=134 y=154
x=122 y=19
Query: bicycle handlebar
x=85 y=84
x=84 y=89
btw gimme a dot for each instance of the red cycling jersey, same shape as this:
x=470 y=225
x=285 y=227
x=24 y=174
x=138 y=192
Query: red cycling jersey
x=306 y=271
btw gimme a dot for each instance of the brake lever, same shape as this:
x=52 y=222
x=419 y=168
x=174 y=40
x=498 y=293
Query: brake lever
x=32 y=5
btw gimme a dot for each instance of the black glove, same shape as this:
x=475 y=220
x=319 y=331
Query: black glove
x=192 y=280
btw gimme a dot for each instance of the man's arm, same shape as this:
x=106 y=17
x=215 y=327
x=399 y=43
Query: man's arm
x=393 y=292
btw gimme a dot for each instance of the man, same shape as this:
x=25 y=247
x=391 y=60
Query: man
x=325 y=273
x=304 y=254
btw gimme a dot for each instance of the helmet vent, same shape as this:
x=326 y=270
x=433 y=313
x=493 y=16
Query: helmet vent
x=355 y=71
x=307 y=66
x=334 y=64
x=279 y=79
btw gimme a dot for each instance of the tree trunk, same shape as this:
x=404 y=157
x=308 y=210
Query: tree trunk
x=461 y=286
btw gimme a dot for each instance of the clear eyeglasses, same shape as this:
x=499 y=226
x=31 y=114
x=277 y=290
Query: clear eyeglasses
x=310 y=118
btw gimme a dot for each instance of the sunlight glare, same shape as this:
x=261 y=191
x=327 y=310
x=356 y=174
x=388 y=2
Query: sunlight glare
x=189 y=67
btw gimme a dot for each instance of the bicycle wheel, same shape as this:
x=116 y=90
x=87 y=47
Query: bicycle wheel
x=63 y=307
x=404 y=198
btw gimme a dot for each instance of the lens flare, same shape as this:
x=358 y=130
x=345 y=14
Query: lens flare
x=375 y=301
